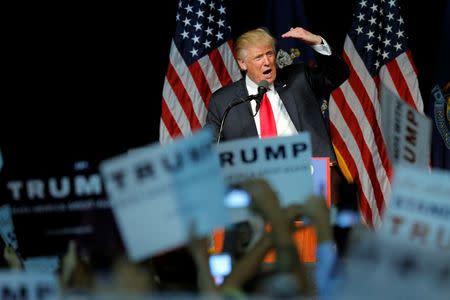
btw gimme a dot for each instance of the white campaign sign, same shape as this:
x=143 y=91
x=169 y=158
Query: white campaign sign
x=28 y=286
x=376 y=268
x=419 y=211
x=284 y=161
x=157 y=191
x=406 y=131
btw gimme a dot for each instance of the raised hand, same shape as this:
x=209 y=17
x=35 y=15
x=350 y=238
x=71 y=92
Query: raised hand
x=303 y=35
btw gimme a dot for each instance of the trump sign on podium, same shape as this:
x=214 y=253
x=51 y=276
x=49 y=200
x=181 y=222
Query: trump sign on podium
x=285 y=162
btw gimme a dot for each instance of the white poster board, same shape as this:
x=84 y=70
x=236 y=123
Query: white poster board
x=380 y=268
x=407 y=132
x=285 y=162
x=156 y=192
x=419 y=211
x=28 y=286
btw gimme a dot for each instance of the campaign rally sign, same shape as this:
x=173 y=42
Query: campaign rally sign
x=158 y=191
x=28 y=286
x=376 y=268
x=419 y=211
x=53 y=205
x=284 y=161
x=407 y=132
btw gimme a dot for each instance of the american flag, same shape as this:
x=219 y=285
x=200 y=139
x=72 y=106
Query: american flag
x=201 y=61
x=377 y=54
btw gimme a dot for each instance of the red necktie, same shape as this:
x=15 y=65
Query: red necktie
x=266 y=119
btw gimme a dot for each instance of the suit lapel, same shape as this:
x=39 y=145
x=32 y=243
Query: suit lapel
x=244 y=111
x=288 y=99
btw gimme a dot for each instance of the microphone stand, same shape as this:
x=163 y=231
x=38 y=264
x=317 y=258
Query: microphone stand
x=262 y=89
x=233 y=104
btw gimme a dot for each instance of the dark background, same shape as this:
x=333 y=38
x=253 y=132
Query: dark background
x=84 y=81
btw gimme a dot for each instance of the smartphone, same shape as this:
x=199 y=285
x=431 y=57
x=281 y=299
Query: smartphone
x=220 y=266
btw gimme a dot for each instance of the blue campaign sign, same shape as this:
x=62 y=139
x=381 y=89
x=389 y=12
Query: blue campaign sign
x=165 y=188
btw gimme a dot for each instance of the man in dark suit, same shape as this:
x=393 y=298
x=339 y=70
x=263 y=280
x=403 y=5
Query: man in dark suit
x=294 y=91
x=293 y=98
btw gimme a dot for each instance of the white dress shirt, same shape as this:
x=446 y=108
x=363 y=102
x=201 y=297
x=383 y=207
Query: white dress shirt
x=282 y=120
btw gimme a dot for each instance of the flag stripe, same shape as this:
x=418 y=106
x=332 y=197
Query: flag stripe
x=188 y=88
x=364 y=136
x=200 y=81
x=399 y=82
x=176 y=111
x=364 y=150
x=169 y=121
x=343 y=166
x=354 y=61
x=411 y=61
x=371 y=110
x=348 y=151
x=364 y=203
x=377 y=81
x=230 y=61
x=220 y=67
x=182 y=95
x=164 y=132
x=410 y=74
x=199 y=91
x=210 y=73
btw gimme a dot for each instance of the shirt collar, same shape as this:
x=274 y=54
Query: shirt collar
x=252 y=87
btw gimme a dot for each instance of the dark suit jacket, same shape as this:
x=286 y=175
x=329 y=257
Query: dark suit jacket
x=300 y=88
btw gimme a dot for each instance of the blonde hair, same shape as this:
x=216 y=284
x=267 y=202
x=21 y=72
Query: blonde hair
x=256 y=37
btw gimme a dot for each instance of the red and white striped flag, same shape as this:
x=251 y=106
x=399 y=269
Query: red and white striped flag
x=376 y=51
x=201 y=61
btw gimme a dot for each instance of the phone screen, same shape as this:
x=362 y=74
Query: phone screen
x=238 y=201
x=220 y=266
x=237 y=198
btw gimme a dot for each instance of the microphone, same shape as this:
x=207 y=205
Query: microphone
x=263 y=85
